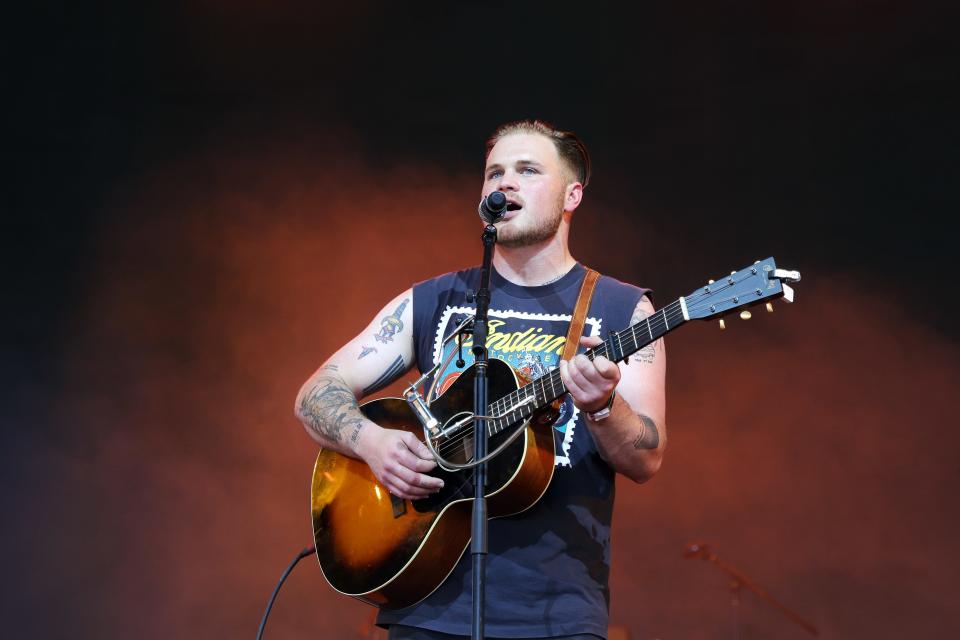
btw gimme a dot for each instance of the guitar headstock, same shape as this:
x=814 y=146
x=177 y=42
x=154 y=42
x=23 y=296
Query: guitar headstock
x=758 y=283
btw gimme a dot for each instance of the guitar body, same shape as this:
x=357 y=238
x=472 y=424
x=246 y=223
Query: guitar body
x=391 y=552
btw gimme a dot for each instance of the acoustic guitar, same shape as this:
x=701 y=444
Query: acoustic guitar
x=392 y=552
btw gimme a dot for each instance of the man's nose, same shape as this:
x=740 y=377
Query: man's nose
x=508 y=182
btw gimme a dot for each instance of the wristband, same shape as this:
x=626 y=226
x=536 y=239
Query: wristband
x=600 y=414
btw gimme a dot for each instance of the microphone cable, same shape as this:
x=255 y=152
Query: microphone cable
x=300 y=556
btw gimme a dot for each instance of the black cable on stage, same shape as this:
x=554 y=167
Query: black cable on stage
x=300 y=556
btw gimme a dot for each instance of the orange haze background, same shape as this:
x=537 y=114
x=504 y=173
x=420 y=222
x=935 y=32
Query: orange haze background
x=813 y=448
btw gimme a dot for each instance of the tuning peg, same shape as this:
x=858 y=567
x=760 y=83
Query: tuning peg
x=745 y=314
x=733 y=273
x=710 y=281
x=787 y=274
x=769 y=307
x=723 y=325
x=787 y=292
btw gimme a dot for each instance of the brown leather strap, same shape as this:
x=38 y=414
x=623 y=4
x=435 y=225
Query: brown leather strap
x=580 y=314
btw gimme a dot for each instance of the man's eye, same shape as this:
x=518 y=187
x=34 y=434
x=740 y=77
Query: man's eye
x=494 y=174
x=528 y=171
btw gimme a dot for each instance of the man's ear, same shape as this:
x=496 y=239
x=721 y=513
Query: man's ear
x=572 y=196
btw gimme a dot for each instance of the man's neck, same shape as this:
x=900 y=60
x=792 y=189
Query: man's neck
x=535 y=265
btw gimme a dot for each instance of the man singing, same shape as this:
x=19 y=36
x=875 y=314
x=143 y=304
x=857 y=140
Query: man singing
x=548 y=567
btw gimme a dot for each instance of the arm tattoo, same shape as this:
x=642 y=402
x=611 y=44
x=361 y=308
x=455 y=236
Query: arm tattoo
x=356 y=433
x=649 y=438
x=647 y=353
x=638 y=314
x=329 y=407
x=388 y=376
x=391 y=325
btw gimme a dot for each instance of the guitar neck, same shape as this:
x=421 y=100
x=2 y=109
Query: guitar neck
x=618 y=346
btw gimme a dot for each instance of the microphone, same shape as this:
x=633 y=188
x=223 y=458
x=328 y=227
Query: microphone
x=492 y=207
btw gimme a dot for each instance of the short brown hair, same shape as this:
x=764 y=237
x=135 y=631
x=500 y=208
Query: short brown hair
x=571 y=149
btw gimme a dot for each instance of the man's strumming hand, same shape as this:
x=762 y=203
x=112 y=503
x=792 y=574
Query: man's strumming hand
x=399 y=461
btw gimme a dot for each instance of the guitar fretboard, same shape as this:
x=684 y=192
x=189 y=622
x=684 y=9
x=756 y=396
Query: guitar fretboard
x=522 y=403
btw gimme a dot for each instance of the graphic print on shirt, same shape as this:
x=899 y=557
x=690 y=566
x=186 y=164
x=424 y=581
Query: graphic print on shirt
x=529 y=342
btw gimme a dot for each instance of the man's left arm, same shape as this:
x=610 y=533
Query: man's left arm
x=633 y=437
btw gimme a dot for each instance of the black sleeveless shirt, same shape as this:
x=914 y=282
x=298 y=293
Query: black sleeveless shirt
x=548 y=567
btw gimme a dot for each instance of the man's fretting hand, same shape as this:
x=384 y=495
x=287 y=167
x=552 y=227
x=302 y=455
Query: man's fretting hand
x=590 y=382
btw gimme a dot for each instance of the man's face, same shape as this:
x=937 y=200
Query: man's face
x=527 y=169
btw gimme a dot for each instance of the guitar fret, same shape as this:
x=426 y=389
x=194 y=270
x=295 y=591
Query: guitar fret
x=525 y=400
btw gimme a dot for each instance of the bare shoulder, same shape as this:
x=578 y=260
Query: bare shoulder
x=647 y=354
x=643 y=309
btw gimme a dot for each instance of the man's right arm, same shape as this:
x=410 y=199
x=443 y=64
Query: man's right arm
x=327 y=402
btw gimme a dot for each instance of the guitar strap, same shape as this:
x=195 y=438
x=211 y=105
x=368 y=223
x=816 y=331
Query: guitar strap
x=580 y=314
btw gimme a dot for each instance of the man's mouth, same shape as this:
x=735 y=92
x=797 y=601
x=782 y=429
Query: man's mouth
x=514 y=206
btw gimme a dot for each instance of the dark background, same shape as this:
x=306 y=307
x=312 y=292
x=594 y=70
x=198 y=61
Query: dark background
x=204 y=200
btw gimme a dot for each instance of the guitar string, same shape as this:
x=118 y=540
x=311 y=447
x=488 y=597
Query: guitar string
x=660 y=319
x=664 y=318
x=554 y=379
x=628 y=336
x=501 y=405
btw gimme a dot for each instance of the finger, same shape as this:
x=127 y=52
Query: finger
x=415 y=479
x=607 y=369
x=568 y=381
x=583 y=371
x=590 y=341
x=418 y=448
x=412 y=462
x=401 y=489
x=423 y=466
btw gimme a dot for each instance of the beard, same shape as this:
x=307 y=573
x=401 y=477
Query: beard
x=532 y=232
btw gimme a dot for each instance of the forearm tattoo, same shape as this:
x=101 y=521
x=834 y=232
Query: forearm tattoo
x=649 y=437
x=647 y=353
x=329 y=407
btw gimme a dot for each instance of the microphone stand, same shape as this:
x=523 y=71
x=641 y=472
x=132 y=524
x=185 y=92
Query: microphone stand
x=478 y=527
x=738 y=580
